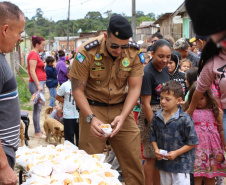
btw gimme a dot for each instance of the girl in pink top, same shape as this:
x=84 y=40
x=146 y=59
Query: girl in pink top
x=212 y=66
x=37 y=78
x=209 y=129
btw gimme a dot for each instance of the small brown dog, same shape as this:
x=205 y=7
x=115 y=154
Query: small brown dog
x=22 y=138
x=55 y=127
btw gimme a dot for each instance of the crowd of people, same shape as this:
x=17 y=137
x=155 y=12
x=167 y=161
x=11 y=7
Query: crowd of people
x=176 y=90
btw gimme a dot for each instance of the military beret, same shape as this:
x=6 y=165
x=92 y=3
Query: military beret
x=120 y=27
x=207 y=15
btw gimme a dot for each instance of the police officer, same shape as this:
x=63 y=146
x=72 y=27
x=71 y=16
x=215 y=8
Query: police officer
x=106 y=78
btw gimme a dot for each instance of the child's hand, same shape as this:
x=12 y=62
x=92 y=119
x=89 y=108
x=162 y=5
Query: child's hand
x=158 y=155
x=171 y=155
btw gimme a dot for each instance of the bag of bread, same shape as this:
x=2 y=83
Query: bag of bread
x=107 y=129
x=43 y=169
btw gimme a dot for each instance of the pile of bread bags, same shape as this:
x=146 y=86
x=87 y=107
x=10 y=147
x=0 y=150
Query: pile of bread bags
x=64 y=164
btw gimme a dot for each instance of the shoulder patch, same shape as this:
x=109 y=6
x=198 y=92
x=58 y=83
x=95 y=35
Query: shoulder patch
x=142 y=58
x=80 y=57
x=134 y=45
x=91 y=45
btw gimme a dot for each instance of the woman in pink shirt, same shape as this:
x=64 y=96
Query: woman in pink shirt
x=37 y=78
x=212 y=65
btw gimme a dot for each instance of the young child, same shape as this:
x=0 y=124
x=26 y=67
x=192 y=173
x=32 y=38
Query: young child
x=175 y=74
x=173 y=130
x=61 y=67
x=70 y=113
x=209 y=162
x=57 y=113
x=147 y=59
x=191 y=76
x=51 y=80
x=185 y=64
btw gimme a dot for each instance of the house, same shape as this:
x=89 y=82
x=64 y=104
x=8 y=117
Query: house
x=87 y=36
x=61 y=43
x=24 y=48
x=188 y=30
x=145 y=30
x=170 y=25
x=176 y=24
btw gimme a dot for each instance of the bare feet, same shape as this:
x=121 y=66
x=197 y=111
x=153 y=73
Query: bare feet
x=39 y=135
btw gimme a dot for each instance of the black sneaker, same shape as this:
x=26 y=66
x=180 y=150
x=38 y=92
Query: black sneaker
x=120 y=177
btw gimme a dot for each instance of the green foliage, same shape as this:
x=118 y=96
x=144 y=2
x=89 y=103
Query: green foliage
x=93 y=15
x=24 y=94
x=139 y=14
x=159 y=15
x=143 y=18
x=23 y=73
x=40 y=26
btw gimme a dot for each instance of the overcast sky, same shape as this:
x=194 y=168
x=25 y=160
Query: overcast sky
x=58 y=9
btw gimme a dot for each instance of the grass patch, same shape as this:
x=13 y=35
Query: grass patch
x=23 y=73
x=24 y=94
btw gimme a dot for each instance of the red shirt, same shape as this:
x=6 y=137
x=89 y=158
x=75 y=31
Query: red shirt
x=40 y=67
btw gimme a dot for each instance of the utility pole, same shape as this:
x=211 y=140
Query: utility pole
x=25 y=41
x=25 y=38
x=134 y=19
x=34 y=28
x=68 y=21
x=50 y=34
x=108 y=13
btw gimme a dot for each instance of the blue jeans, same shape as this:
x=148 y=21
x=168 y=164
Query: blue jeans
x=52 y=92
x=38 y=106
x=224 y=124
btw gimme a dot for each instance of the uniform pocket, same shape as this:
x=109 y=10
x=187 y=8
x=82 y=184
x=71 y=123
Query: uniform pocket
x=99 y=78
x=122 y=78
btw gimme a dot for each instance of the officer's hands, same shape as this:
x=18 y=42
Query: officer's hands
x=95 y=127
x=7 y=176
x=116 y=125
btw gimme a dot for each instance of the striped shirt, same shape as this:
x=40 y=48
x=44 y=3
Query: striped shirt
x=9 y=109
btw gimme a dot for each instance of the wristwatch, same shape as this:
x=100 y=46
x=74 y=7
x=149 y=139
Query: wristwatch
x=89 y=118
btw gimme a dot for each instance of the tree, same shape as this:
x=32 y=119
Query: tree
x=157 y=16
x=151 y=15
x=93 y=15
x=139 y=14
x=142 y=19
x=39 y=13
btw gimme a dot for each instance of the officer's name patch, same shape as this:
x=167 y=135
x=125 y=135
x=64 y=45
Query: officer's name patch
x=98 y=57
x=80 y=57
x=98 y=63
x=98 y=68
x=125 y=68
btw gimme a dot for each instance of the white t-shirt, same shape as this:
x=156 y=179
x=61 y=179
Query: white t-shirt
x=69 y=108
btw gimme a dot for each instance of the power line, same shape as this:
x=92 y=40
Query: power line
x=112 y=2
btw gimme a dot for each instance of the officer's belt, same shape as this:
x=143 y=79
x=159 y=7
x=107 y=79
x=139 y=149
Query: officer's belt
x=97 y=103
